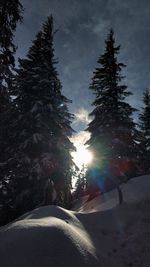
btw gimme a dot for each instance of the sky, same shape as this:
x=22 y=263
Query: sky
x=83 y=26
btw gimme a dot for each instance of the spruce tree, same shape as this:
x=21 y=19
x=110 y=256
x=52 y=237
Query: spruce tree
x=112 y=128
x=80 y=185
x=41 y=128
x=145 y=134
x=10 y=15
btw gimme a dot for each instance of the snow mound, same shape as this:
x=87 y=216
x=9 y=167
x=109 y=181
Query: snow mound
x=101 y=234
x=48 y=236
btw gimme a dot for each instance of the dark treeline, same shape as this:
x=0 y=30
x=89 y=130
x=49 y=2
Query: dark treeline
x=36 y=167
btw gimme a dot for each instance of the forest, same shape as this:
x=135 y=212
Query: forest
x=36 y=163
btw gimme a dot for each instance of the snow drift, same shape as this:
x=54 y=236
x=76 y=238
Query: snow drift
x=100 y=233
x=48 y=236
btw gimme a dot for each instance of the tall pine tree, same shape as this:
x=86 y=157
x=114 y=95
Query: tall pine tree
x=40 y=129
x=145 y=134
x=112 y=128
x=10 y=15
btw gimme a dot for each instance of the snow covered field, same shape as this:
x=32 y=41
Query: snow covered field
x=99 y=233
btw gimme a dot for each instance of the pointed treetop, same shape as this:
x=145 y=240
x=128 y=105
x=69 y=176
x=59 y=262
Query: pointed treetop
x=146 y=97
x=111 y=33
x=110 y=37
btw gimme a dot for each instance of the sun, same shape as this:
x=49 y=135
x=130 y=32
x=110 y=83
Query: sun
x=82 y=156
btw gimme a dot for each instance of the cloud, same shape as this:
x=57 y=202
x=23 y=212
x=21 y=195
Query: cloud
x=80 y=138
x=101 y=26
x=82 y=116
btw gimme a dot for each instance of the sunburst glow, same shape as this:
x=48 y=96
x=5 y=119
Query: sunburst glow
x=82 y=156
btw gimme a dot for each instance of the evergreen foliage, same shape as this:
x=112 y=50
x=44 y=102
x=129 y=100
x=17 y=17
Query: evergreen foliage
x=10 y=15
x=145 y=134
x=80 y=185
x=112 y=128
x=40 y=129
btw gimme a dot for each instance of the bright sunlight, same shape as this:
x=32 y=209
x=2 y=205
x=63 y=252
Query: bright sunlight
x=82 y=156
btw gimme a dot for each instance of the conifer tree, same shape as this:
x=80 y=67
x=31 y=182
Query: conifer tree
x=145 y=134
x=112 y=128
x=80 y=185
x=10 y=15
x=41 y=127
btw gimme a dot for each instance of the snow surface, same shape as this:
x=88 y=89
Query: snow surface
x=99 y=233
